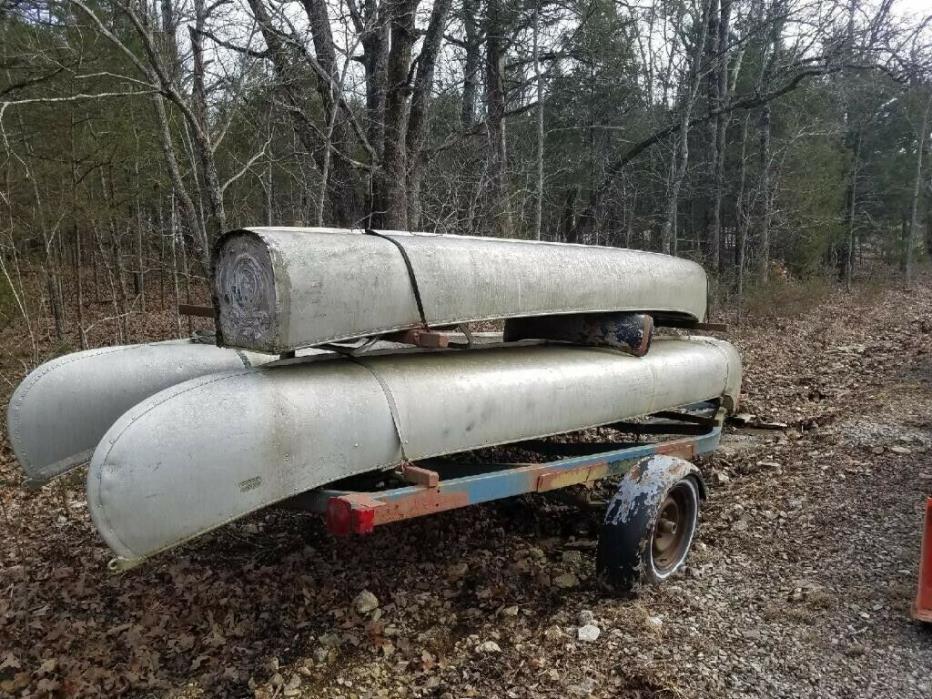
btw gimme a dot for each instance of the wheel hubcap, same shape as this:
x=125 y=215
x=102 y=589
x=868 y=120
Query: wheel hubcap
x=672 y=531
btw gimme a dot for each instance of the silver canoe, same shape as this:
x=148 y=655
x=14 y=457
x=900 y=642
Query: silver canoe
x=213 y=449
x=59 y=412
x=278 y=289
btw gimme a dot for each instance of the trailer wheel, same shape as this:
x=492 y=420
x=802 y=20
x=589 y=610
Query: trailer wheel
x=650 y=522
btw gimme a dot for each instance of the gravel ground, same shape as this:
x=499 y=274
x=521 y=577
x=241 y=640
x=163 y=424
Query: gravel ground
x=799 y=584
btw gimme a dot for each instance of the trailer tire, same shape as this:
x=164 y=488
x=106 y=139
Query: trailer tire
x=650 y=523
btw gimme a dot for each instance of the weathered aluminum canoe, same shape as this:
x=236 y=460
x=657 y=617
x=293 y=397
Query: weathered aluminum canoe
x=59 y=412
x=210 y=450
x=278 y=289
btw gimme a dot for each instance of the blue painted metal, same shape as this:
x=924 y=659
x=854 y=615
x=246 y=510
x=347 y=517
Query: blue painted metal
x=497 y=481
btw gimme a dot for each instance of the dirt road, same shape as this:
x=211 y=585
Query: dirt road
x=799 y=585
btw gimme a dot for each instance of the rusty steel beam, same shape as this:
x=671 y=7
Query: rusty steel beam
x=353 y=512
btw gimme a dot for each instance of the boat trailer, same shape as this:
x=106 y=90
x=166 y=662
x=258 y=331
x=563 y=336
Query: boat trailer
x=649 y=524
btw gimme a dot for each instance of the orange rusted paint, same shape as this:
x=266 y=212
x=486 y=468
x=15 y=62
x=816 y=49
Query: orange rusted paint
x=685 y=449
x=423 y=502
x=416 y=475
x=922 y=608
x=353 y=513
x=553 y=480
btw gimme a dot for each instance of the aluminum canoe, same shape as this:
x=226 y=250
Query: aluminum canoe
x=278 y=289
x=210 y=450
x=59 y=412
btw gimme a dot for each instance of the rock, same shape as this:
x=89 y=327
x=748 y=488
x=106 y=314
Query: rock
x=855 y=650
x=321 y=655
x=589 y=632
x=554 y=633
x=573 y=557
x=585 y=617
x=720 y=477
x=293 y=687
x=902 y=451
x=365 y=602
x=510 y=611
x=277 y=680
x=583 y=689
x=655 y=621
x=488 y=647
x=566 y=580
x=536 y=552
x=329 y=640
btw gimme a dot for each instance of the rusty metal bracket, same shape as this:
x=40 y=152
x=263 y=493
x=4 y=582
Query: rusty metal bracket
x=552 y=480
x=420 y=337
x=417 y=475
x=352 y=513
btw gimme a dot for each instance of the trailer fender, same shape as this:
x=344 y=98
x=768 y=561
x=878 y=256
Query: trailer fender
x=634 y=545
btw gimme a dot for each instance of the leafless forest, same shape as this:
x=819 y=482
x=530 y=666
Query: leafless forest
x=754 y=135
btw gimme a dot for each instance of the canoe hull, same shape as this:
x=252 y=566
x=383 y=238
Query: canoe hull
x=278 y=289
x=59 y=412
x=213 y=449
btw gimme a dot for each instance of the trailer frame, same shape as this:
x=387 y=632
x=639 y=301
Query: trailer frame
x=438 y=485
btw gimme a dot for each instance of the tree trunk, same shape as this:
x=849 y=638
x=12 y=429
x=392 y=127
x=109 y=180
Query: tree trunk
x=680 y=160
x=720 y=125
x=416 y=134
x=471 y=63
x=712 y=99
x=342 y=183
x=375 y=30
x=539 y=159
x=495 y=119
x=287 y=84
x=76 y=232
x=742 y=219
x=188 y=211
x=852 y=204
x=393 y=198
x=775 y=16
x=913 y=238
x=766 y=196
x=201 y=127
